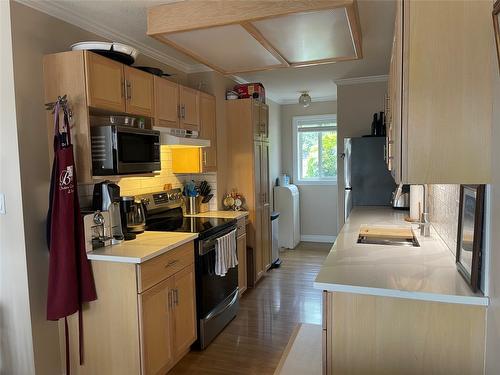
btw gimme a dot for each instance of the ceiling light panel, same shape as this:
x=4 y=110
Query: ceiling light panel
x=310 y=36
x=229 y=48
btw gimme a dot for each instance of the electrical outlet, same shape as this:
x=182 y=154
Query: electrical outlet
x=2 y=204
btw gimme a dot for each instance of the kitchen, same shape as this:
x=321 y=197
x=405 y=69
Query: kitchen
x=38 y=347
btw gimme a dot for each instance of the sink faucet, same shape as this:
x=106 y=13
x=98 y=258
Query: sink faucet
x=425 y=224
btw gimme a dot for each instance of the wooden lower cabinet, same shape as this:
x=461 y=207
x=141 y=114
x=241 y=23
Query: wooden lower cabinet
x=365 y=334
x=144 y=320
x=156 y=316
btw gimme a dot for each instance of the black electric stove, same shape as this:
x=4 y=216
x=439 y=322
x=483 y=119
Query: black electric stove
x=174 y=221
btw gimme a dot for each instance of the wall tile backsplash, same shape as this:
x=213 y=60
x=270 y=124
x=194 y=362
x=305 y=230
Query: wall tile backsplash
x=444 y=203
x=143 y=185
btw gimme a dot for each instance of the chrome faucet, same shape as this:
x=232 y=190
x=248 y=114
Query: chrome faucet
x=425 y=224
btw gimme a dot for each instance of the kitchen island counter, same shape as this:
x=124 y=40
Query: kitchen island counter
x=424 y=273
x=146 y=246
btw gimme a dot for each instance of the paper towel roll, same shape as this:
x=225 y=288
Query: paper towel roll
x=416 y=201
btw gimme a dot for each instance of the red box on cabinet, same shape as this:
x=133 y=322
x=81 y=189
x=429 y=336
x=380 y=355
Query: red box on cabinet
x=251 y=90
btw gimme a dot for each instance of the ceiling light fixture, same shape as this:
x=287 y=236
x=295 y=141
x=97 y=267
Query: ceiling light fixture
x=305 y=99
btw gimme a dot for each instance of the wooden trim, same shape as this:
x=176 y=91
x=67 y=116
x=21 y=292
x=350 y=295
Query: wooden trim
x=252 y=30
x=355 y=28
x=198 y=15
x=204 y=14
x=191 y=54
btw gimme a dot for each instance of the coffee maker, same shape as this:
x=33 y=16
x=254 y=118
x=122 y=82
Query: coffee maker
x=107 y=198
x=133 y=217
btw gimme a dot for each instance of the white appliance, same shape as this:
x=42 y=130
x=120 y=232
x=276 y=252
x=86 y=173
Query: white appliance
x=287 y=202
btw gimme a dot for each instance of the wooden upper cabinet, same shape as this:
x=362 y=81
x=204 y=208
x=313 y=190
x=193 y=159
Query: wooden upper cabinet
x=444 y=67
x=105 y=83
x=166 y=103
x=208 y=131
x=189 y=101
x=156 y=307
x=184 y=321
x=139 y=90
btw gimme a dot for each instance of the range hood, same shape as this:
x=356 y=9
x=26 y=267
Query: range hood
x=180 y=138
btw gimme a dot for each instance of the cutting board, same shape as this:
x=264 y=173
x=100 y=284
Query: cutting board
x=387 y=232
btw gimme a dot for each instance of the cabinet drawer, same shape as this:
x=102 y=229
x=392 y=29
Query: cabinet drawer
x=241 y=226
x=157 y=269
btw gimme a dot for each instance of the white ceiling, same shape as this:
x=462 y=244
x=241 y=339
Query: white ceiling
x=126 y=21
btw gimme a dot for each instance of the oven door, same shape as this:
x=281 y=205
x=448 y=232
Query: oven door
x=137 y=150
x=212 y=290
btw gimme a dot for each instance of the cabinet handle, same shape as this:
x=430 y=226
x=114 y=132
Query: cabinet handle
x=176 y=296
x=170 y=298
x=183 y=112
x=128 y=90
x=178 y=111
x=204 y=158
x=171 y=263
x=123 y=89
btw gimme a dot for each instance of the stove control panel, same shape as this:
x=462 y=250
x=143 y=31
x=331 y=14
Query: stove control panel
x=168 y=198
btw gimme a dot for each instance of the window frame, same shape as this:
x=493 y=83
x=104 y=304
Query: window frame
x=296 y=122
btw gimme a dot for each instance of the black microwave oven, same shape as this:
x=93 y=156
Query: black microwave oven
x=118 y=150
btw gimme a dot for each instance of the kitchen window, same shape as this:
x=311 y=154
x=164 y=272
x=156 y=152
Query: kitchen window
x=315 y=150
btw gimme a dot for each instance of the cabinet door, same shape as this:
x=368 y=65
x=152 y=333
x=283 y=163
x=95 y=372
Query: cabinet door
x=156 y=307
x=208 y=131
x=259 y=201
x=105 y=83
x=241 y=247
x=189 y=100
x=166 y=103
x=184 y=300
x=139 y=89
x=264 y=121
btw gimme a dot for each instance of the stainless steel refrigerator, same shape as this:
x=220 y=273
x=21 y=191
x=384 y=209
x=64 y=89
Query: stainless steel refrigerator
x=367 y=180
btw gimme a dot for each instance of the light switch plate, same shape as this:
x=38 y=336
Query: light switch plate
x=2 y=204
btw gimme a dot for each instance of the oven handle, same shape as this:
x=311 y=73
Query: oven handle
x=202 y=248
x=216 y=313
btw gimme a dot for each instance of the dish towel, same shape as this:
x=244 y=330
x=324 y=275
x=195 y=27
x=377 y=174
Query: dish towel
x=225 y=253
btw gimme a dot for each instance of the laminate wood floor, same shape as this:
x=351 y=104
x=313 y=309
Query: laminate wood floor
x=254 y=341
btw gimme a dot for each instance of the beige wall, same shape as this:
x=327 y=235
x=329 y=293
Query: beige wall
x=274 y=144
x=16 y=345
x=318 y=203
x=493 y=319
x=356 y=105
x=35 y=34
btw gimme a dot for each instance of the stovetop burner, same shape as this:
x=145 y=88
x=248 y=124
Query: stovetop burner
x=164 y=213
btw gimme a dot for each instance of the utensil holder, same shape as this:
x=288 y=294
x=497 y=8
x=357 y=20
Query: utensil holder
x=191 y=205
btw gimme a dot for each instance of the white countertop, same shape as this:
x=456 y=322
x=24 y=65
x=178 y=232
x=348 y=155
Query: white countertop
x=146 y=246
x=222 y=214
x=426 y=273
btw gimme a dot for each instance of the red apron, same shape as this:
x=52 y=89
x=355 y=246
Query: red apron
x=70 y=277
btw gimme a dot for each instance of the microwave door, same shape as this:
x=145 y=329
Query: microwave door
x=138 y=152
